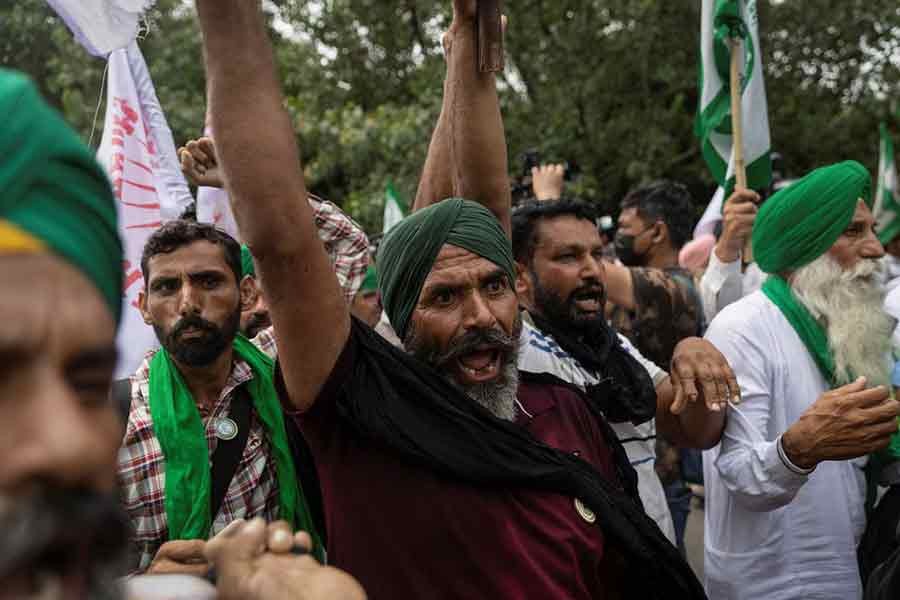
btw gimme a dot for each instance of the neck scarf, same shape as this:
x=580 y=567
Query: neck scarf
x=625 y=391
x=182 y=436
x=408 y=407
x=811 y=332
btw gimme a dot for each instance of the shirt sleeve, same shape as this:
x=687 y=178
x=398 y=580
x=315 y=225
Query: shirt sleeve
x=665 y=312
x=748 y=461
x=345 y=242
x=721 y=284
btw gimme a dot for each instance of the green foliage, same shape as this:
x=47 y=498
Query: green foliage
x=611 y=85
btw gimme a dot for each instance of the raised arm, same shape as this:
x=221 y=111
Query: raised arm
x=258 y=153
x=470 y=130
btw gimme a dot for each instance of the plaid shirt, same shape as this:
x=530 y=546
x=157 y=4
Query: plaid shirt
x=345 y=242
x=253 y=491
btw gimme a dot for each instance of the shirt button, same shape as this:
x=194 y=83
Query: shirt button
x=584 y=512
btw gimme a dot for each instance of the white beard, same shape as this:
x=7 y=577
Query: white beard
x=850 y=305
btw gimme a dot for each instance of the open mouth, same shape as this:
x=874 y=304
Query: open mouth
x=591 y=302
x=192 y=332
x=480 y=365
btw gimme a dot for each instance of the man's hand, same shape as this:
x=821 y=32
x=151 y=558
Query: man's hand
x=254 y=562
x=199 y=163
x=180 y=557
x=843 y=424
x=547 y=181
x=699 y=369
x=738 y=218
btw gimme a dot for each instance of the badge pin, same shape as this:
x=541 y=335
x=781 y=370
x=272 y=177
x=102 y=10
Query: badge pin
x=226 y=429
x=584 y=512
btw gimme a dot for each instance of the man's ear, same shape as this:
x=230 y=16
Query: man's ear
x=524 y=281
x=249 y=293
x=661 y=235
x=142 y=305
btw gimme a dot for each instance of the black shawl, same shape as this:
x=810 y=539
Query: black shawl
x=625 y=391
x=410 y=408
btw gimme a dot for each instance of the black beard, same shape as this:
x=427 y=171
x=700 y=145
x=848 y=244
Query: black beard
x=564 y=313
x=202 y=351
x=58 y=530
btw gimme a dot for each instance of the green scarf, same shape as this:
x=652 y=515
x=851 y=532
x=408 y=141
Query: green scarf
x=810 y=331
x=409 y=250
x=247 y=266
x=182 y=436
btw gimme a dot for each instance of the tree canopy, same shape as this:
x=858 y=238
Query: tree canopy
x=609 y=86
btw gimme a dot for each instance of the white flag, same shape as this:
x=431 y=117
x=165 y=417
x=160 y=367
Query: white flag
x=712 y=216
x=102 y=26
x=138 y=153
x=394 y=208
x=722 y=19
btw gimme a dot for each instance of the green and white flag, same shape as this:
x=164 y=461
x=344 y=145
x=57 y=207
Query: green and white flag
x=887 y=199
x=394 y=208
x=722 y=20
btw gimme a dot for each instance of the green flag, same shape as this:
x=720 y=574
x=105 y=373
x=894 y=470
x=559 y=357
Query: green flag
x=394 y=208
x=722 y=20
x=887 y=198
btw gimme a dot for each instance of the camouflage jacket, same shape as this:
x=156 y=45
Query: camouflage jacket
x=667 y=310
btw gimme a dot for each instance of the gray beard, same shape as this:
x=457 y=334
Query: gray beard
x=500 y=396
x=850 y=305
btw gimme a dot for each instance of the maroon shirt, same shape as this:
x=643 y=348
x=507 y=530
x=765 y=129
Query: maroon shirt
x=406 y=532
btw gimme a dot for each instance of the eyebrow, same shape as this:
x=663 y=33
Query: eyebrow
x=493 y=275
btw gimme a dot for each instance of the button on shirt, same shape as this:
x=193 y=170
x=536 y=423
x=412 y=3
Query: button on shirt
x=540 y=353
x=771 y=533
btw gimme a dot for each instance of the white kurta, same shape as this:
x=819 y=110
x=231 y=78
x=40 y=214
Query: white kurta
x=772 y=534
x=725 y=283
x=539 y=353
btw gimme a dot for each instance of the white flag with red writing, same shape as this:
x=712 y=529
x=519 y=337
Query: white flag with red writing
x=138 y=153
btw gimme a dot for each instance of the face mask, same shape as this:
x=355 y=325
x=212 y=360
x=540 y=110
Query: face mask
x=625 y=251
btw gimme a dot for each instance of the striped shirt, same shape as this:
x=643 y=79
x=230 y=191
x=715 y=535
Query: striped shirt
x=540 y=353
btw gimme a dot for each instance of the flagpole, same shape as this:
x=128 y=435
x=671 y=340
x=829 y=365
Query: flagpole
x=737 y=128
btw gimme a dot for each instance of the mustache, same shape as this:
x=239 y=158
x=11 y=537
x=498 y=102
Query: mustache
x=472 y=340
x=192 y=321
x=588 y=290
x=865 y=268
x=53 y=527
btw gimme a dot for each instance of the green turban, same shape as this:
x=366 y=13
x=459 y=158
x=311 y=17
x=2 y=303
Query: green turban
x=801 y=222
x=370 y=283
x=53 y=191
x=409 y=250
x=247 y=266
